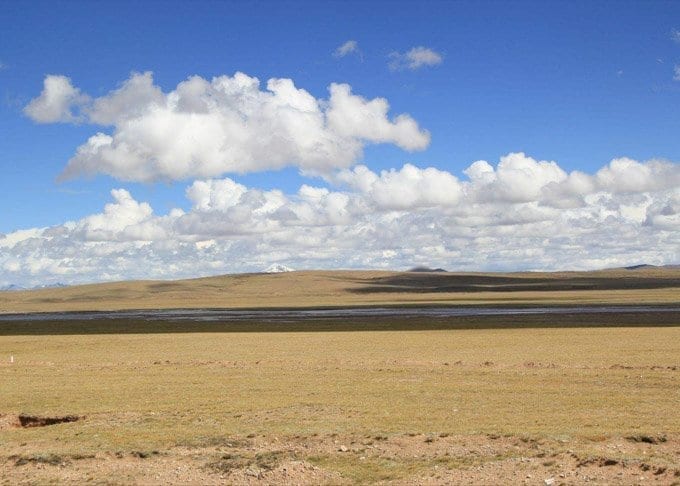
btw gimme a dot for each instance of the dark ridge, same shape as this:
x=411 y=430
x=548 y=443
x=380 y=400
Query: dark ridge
x=446 y=282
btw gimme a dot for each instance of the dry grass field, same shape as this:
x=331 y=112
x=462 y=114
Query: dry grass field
x=566 y=399
x=457 y=406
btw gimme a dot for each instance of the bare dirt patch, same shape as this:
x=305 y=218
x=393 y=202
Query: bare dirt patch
x=9 y=421
x=410 y=458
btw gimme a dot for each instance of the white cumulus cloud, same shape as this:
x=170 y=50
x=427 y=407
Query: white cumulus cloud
x=122 y=219
x=520 y=213
x=353 y=117
x=517 y=213
x=59 y=101
x=207 y=128
x=517 y=178
x=627 y=175
x=135 y=96
x=405 y=189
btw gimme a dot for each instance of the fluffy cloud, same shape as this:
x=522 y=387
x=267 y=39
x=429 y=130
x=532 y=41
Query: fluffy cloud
x=355 y=118
x=414 y=58
x=519 y=213
x=626 y=175
x=676 y=73
x=349 y=47
x=517 y=178
x=136 y=96
x=206 y=128
x=404 y=189
x=124 y=219
x=215 y=195
x=57 y=101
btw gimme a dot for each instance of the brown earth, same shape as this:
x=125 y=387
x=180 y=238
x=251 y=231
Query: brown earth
x=344 y=459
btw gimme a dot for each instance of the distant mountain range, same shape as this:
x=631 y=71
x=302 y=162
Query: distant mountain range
x=11 y=287
x=14 y=288
x=280 y=268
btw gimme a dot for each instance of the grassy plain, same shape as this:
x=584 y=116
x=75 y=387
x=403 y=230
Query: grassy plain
x=466 y=400
x=241 y=406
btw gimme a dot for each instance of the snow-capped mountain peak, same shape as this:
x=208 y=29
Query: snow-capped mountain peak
x=278 y=268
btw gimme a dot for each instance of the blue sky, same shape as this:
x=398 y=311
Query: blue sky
x=578 y=83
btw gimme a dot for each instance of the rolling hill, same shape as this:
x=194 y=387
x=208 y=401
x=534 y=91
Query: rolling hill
x=354 y=288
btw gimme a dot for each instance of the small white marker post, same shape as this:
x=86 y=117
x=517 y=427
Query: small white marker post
x=11 y=359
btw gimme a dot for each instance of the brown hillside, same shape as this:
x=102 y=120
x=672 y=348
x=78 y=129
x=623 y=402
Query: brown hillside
x=352 y=288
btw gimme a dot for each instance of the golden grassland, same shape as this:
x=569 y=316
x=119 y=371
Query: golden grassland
x=352 y=288
x=462 y=381
x=467 y=400
x=191 y=397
